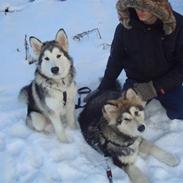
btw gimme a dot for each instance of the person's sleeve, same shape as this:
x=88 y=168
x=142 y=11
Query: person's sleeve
x=114 y=64
x=174 y=77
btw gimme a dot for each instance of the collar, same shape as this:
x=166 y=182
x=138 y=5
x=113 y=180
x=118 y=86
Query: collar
x=125 y=138
x=48 y=82
x=59 y=85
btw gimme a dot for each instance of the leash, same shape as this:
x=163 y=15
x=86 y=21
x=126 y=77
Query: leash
x=87 y=90
x=105 y=165
x=82 y=91
x=109 y=172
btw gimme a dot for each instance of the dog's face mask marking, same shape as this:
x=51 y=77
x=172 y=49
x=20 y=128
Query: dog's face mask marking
x=126 y=115
x=132 y=122
x=53 y=60
x=54 y=64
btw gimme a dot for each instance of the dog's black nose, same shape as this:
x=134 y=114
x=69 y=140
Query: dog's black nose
x=141 y=128
x=54 y=70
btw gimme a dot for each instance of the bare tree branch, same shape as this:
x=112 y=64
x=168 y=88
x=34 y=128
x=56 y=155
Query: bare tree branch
x=79 y=36
x=28 y=56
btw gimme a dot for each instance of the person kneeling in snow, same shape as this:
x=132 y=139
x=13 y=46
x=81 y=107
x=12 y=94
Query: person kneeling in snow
x=148 y=45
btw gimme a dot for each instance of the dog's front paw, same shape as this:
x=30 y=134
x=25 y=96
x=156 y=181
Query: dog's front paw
x=171 y=160
x=73 y=125
x=62 y=137
x=71 y=122
x=174 y=161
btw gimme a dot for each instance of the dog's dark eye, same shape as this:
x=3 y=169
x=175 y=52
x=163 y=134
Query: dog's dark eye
x=46 y=58
x=136 y=113
x=127 y=119
x=119 y=121
x=58 y=56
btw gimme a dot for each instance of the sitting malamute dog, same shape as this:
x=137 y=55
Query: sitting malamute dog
x=51 y=95
x=113 y=126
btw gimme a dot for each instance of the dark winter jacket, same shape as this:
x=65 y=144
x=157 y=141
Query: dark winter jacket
x=146 y=54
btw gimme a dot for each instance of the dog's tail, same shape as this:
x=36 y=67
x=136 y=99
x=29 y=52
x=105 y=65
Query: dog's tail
x=23 y=94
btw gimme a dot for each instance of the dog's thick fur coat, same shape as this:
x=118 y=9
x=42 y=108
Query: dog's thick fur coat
x=113 y=126
x=50 y=97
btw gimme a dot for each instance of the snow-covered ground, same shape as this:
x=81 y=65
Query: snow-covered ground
x=30 y=157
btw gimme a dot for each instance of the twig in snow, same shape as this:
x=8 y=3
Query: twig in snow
x=10 y=10
x=18 y=50
x=56 y=179
x=105 y=46
x=28 y=56
x=79 y=36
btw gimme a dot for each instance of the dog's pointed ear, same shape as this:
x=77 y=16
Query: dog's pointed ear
x=130 y=94
x=36 y=45
x=109 y=113
x=61 y=38
x=108 y=108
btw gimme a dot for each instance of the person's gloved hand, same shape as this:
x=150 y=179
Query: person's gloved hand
x=145 y=90
x=91 y=95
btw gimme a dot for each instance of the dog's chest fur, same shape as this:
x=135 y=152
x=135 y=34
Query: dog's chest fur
x=56 y=100
x=132 y=157
x=57 y=95
x=114 y=138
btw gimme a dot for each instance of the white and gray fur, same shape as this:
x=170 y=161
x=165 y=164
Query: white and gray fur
x=50 y=97
x=114 y=128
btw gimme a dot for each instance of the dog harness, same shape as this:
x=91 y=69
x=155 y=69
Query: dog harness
x=107 y=141
x=81 y=91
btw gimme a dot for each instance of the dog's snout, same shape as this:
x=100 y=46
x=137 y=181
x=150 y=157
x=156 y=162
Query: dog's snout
x=54 y=70
x=141 y=128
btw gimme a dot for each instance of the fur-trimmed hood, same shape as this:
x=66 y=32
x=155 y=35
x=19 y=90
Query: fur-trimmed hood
x=160 y=8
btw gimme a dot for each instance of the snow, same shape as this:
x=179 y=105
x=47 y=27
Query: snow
x=30 y=157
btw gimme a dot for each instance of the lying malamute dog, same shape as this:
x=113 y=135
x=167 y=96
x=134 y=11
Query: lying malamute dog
x=50 y=97
x=113 y=126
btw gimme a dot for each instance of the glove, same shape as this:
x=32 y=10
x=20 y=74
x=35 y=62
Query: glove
x=145 y=90
x=91 y=95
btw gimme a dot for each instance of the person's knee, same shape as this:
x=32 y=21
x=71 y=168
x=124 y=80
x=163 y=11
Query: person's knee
x=172 y=102
x=175 y=114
